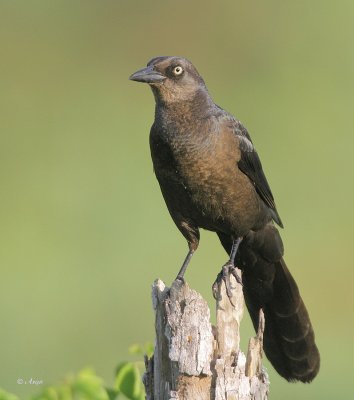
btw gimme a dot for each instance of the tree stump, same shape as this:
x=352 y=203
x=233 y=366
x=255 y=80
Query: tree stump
x=192 y=359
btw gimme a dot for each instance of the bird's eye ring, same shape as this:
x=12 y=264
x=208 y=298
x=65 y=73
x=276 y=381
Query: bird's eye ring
x=177 y=70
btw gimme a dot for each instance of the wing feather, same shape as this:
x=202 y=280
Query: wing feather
x=250 y=165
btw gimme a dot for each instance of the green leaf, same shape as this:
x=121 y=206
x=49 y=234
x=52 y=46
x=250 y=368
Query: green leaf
x=89 y=386
x=7 y=396
x=136 y=349
x=112 y=393
x=147 y=348
x=128 y=381
x=85 y=386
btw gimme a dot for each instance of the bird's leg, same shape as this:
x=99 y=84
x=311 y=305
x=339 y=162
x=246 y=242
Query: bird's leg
x=191 y=233
x=185 y=265
x=227 y=270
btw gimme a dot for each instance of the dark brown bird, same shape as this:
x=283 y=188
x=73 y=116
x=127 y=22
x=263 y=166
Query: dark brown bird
x=211 y=177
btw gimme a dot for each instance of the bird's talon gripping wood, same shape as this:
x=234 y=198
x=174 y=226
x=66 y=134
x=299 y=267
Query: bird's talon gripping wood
x=216 y=284
x=226 y=271
x=211 y=177
x=224 y=276
x=238 y=278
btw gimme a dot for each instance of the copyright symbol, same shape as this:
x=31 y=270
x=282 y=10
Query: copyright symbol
x=20 y=381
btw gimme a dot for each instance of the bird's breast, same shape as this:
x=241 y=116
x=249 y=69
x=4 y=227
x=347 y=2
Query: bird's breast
x=201 y=170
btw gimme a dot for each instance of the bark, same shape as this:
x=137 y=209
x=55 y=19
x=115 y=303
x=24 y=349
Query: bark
x=196 y=361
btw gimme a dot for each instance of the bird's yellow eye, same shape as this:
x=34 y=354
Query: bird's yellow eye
x=177 y=70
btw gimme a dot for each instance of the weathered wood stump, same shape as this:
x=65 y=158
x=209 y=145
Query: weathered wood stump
x=194 y=360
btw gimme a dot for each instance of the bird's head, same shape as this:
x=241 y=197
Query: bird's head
x=172 y=79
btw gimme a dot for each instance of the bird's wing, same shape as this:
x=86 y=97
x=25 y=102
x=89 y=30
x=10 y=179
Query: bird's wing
x=250 y=164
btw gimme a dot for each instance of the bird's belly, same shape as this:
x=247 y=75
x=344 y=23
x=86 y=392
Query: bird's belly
x=228 y=205
x=224 y=202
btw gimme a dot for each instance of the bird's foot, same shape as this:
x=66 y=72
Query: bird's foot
x=224 y=276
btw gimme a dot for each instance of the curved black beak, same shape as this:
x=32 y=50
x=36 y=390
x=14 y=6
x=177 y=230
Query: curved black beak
x=147 y=75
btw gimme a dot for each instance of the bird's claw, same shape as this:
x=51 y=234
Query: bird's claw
x=224 y=276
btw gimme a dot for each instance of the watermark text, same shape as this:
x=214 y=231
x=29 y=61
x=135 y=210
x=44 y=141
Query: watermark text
x=30 y=381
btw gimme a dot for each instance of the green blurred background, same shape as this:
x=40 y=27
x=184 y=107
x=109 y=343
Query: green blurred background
x=84 y=229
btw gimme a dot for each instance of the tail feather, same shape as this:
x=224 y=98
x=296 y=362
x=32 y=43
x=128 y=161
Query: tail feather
x=289 y=341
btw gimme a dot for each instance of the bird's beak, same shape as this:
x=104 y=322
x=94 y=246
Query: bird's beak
x=147 y=75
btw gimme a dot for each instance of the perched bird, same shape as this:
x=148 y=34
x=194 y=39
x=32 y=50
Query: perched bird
x=211 y=177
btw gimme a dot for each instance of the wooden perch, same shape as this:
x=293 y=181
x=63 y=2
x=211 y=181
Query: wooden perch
x=195 y=361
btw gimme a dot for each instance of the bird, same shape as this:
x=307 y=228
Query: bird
x=211 y=178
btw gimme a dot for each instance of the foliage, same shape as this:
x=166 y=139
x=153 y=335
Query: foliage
x=7 y=396
x=86 y=385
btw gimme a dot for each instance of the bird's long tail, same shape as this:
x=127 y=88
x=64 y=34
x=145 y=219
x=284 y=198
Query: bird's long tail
x=289 y=341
